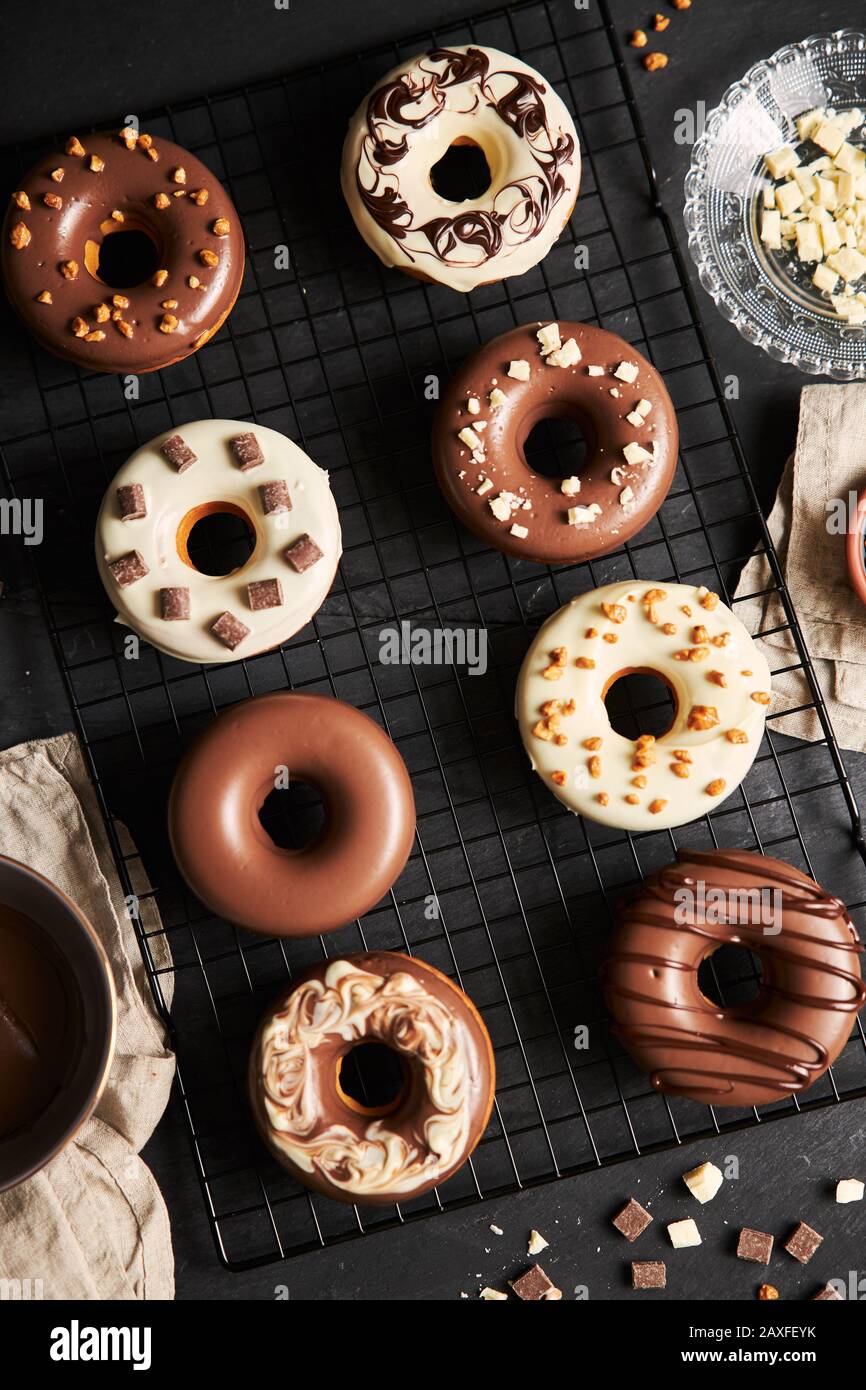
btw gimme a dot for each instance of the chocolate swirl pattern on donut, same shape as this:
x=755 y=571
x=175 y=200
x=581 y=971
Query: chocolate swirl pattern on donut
x=383 y=1157
x=532 y=188
x=776 y=1045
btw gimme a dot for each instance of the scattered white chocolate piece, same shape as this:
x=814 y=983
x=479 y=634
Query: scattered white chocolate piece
x=704 y=1181
x=582 y=516
x=520 y=532
x=500 y=507
x=570 y=486
x=473 y=405
x=595 y=371
x=634 y=419
x=537 y=1243
x=519 y=370
x=496 y=398
x=635 y=453
x=626 y=497
x=566 y=356
x=849 y=1190
x=683 y=1233
x=644 y=407
x=627 y=371
x=492 y=1295
x=614 y=391
x=549 y=338
x=468 y=437
x=484 y=486
x=497 y=1230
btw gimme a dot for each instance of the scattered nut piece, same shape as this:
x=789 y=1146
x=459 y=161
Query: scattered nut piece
x=168 y=323
x=703 y=717
x=97 y=164
x=716 y=787
x=79 y=327
x=200 y=196
x=658 y=805
x=638 y=39
x=69 y=269
x=45 y=297
x=21 y=201
x=209 y=258
x=221 y=227
x=178 y=175
x=57 y=175
x=52 y=200
x=20 y=236
x=767 y=1292
x=74 y=146
x=159 y=278
x=660 y=22
x=161 y=201
x=653 y=61
x=760 y=697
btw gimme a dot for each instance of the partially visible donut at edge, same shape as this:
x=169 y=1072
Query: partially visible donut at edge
x=466 y=94
x=548 y=370
x=103 y=185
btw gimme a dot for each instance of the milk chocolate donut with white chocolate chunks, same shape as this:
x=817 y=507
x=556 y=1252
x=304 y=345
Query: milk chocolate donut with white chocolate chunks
x=122 y=252
x=776 y=1045
x=545 y=371
x=331 y=1141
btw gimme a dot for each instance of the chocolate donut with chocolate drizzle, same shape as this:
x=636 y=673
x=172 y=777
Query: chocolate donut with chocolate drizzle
x=776 y=1045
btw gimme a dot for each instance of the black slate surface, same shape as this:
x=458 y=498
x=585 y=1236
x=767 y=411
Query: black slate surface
x=109 y=58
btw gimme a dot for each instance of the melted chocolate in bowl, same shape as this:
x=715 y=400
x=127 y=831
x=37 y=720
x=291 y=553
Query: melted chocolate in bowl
x=57 y=1020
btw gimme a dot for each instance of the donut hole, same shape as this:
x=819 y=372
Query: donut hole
x=730 y=976
x=372 y=1078
x=640 y=702
x=462 y=174
x=293 y=816
x=122 y=259
x=558 y=446
x=215 y=538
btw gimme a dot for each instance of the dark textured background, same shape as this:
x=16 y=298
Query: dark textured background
x=72 y=64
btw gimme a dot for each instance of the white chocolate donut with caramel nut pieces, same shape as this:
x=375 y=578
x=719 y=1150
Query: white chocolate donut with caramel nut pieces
x=719 y=680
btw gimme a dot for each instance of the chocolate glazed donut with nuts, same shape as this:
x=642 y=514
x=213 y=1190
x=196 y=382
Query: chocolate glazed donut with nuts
x=769 y=1049
x=122 y=252
x=548 y=371
x=226 y=855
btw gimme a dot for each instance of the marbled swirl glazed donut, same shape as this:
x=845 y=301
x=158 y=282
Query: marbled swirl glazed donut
x=77 y=200
x=719 y=680
x=452 y=96
x=776 y=1045
x=329 y=1140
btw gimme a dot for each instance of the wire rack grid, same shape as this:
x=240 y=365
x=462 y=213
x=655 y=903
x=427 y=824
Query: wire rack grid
x=504 y=890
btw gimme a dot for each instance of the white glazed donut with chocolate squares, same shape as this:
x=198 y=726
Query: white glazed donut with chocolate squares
x=719 y=680
x=465 y=95
x=202 y=468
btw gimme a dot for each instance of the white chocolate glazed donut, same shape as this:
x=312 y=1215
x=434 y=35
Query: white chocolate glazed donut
x=719 y=680
x=465 y=94
x=173 y=495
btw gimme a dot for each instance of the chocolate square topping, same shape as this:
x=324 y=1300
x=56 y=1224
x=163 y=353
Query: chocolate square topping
x=129 y=568
x=265 y=593
x=275 y=497
x=230 y=630
x=827 y=1295
x=632 y=1220
x=648 y=1274
x=803 y=1242
x=178 y=452
x=534 y=1286
x=247 y=451
x=755 y=1245
x=130 y=499
x=174 y=604
x=303 y=554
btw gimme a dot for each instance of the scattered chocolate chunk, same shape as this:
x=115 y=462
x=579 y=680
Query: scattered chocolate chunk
x=648 y=1274
x=534 y=1286
x=827 y=1295
x=129 y=568
x=178 y=452
x=275 y=497
x=303 y=554
x=632 y=1220
x=131 y=501
x=174 y=604
x=803 y=1242
x=265 y=593
x=247 y=451
x=230 y=630
x=754 y=1245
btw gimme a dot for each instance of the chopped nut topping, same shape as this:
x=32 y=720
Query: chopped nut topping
x=610 y=637
x=699 y=634
x=767 y=1292
x=633 y=799
x=96 y=164
x=79 y=327
x=669 y=629
x=661 y=22
x=639 y=781
x=145 y=141
x=681 y=4
x=721 y=639
x=120 y=301
x=21 y=201
x=101 y=313
x=178 y=175
x=591 y=632
x=194 y=282
x=594 y=765
x=560 y=778
x=709 y=600
x=52 y=200
x=717 y=677
x=57 y=175
x=200 y=196
x=653 y=61
x=45 y=297
x=603 y=799
x=592 y=744
x=162 y=200
x=692 y=654
x=117 y=215
x=685 y=609
x=680 y=769
x=125 y=328
x=221 y=227
x=642 y=760
x=159 y=278
x=703 y=717
x=682 y=755
x=617 y=612
x=645 y=741
x=658 y=805
x=560 y=740
x=553 y=672
x=638 y=39
x=542 y=730
x=128 y=135
x=168 y=304
x=95 y=335
x=736 y=736
x=716 y=787
x=745 y=673
x=585 y=663
x=168 y=323
x=152 y=154
x=20 y=236
x=74 y=146
x=209 y=258
x=760 y=697
x=69 y=269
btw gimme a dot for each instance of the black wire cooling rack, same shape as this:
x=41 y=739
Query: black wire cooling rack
x=338 y=354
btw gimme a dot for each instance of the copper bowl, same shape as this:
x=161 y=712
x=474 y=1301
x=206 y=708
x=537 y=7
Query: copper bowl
x=58 y=1019
x=854 y=549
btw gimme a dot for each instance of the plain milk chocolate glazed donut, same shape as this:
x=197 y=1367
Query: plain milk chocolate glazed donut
x=769 y=1049
x=332 y=1142
x=544 y=371
x=62 y=235
x=228 y=858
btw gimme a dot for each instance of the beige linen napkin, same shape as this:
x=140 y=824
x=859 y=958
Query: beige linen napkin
x=92 y=1224
x=828 y=463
